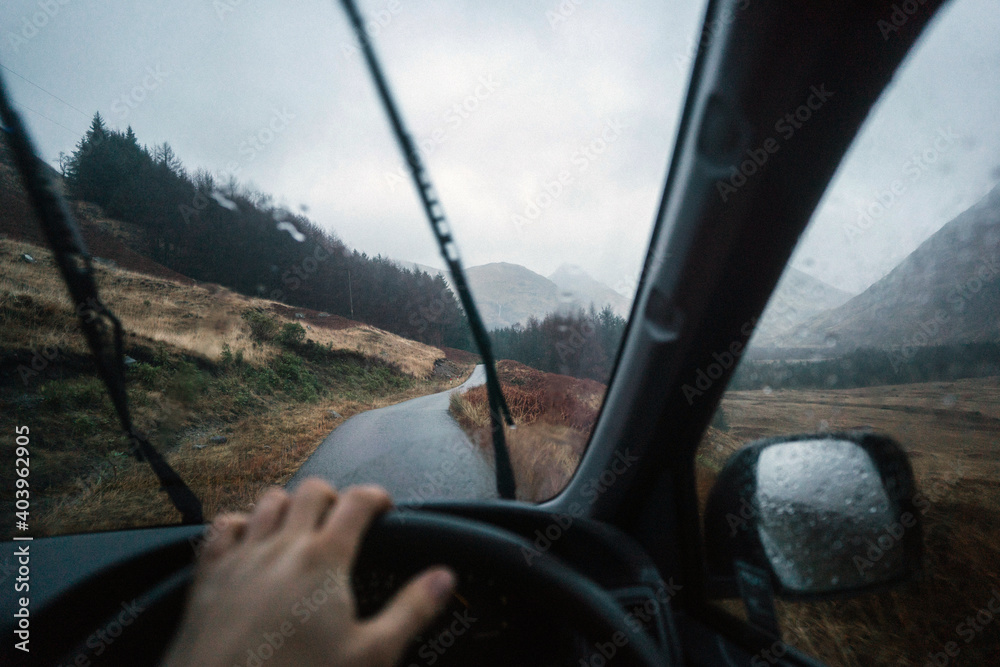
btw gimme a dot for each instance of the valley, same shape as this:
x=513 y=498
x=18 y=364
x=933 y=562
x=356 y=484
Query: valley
x=253 y=334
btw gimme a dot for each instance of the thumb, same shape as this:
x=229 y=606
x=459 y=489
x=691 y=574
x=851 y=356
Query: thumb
x=410 y=611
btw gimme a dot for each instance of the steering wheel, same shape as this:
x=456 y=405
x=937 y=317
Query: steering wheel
x=428 y=538
x=405 y=541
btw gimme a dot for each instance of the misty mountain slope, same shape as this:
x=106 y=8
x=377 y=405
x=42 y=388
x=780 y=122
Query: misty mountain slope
x=797 y=298
x=414 y=266
x=510 y=293
x=577 y=286
x=946 y=291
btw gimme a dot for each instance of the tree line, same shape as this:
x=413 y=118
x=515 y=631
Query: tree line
x=583 y=344
x=869 y=367
x=226 y=233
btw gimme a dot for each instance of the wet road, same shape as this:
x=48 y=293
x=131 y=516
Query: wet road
x=414 y=449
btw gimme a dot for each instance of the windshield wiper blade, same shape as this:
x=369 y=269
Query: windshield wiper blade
x=102 y=329
x=499 y=412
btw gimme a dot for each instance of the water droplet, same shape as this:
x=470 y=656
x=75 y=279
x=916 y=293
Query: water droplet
x=224 y=201
x=292 y=230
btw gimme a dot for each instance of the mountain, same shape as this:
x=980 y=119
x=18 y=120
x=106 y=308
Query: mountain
x=575 y=285
x=946 y=291
x=508 y=294
x=797 y=298
x=414 y=266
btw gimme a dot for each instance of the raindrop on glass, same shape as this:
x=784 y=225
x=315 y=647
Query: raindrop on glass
x=292 y=230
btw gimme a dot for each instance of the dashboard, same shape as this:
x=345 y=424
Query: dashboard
x=491 y=620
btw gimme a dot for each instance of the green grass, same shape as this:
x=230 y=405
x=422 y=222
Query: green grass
x=73 y=393
x=263 y=326
x=187 y=383
x=79 y=429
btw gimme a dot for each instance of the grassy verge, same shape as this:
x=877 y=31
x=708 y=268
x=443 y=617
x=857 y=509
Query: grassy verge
x=553 y=416
x=234 y=396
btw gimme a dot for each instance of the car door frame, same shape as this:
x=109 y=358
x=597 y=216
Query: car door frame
x=717 y=252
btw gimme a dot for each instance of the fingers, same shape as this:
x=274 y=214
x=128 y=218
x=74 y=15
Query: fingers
x=267 y=515
x=223 y=534
x=409 y=612
x=346 y=525
x=309 y=506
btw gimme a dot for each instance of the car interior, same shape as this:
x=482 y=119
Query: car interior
x=619 y=567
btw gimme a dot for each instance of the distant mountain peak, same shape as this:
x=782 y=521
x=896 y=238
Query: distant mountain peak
x=798 y=297
x=579 y=286
x=949 y=286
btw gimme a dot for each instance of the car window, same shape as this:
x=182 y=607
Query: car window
x=888 y=319
x=255 y=228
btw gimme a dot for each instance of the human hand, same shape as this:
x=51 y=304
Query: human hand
x=275 y=585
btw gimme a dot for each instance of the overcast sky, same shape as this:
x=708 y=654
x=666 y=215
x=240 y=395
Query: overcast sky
x=503 y=98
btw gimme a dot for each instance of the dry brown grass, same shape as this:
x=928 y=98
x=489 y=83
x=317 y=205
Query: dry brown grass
x=553 y=416
x=544 y=457
x=261 y=450
x=473 y=406
x=412 y=357
x=81 y=477
x=952 y=433
x=199 y=320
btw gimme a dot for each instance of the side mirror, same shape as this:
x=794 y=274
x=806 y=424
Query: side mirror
x=813 y=517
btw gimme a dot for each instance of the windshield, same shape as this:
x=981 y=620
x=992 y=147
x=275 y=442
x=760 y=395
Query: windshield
x=254 y=226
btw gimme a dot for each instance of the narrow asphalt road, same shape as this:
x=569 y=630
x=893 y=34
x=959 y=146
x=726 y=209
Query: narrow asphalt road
x=414 y=449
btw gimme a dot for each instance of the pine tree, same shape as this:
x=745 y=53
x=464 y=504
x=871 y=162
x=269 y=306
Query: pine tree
x=86 y=170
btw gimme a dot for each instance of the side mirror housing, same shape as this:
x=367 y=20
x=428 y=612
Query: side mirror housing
x=819 y=515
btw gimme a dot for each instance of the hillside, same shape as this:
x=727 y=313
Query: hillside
x=576 y=285
x=18 y=222
x=946 y=291
x=415 y=266
x=197 y=320
x=509 y=293
x=797 y=298
x=235 y=391
x=141 y=208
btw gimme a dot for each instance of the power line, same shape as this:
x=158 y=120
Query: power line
x=46 y=92
x=26 y=108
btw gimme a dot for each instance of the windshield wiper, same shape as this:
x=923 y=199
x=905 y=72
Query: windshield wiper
x=499 y=412
x=102 y=329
